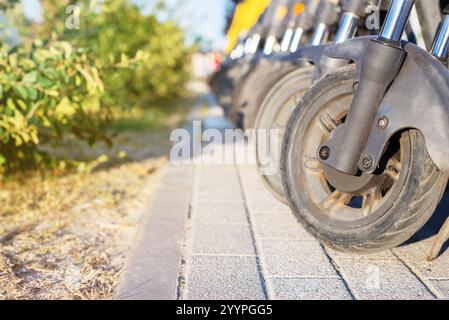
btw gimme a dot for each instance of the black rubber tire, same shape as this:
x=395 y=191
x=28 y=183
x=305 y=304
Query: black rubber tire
x=418 y=194
x=251 y=91
x=228 y=81
x=288 y=90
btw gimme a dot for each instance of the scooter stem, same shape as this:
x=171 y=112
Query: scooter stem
x=347 y=28
x=320 y=34
x=304 y=23
x=353 y=11
x=440 y=46
x=327 y=15
x=396 y=21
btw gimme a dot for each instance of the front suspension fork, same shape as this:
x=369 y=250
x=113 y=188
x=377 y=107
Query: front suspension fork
x=374 y=129
x=381 y=63
x=440 y=47
x=379 y=67
x=327 y=15
x=353 y=10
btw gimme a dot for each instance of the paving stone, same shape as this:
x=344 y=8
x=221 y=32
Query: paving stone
x=279 y=225
x=256 y=188
x=308 y=289
x=251 y=179
x=442 y=286
x=382 y=279
x=295 y=258
x=153 y=267
x=415 y=254
x=249 y=174
x=224 y=278
x=222 y=239
x=255 y=193
x=217 y=185
x=220 y=194
x=217 y=171
x=222 y=262
x=265 y=204
x=205 y=183
x=177 y=176
x=220 y=212
x=383 y=255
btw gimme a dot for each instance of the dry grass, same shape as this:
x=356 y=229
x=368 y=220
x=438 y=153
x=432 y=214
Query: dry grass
x=66 y=236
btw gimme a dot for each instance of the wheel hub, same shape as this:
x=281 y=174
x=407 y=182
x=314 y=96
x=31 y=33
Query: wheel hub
x=355 y=185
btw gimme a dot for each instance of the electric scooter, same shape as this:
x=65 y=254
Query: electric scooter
x=269 y=68
x=282 y=98
x=364 y=165
x=238 y=63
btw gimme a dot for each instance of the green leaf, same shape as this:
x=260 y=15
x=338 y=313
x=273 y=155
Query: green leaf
x=22 y=104
x=65 y=108
x=45 y=83
x=30 y=78
x=21 y=92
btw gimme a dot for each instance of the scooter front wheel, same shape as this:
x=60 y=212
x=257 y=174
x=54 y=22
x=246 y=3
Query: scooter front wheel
x=363 y=214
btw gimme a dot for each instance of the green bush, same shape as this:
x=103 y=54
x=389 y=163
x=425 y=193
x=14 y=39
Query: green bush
x=71 y=80
x=116 y=31
x=45 y=92
x=7 y=4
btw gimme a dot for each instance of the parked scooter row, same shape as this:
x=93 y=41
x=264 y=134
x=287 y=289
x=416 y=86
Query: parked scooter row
x=362 y=165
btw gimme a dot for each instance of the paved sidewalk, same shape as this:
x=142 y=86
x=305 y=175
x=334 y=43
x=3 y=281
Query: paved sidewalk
x=217 y=233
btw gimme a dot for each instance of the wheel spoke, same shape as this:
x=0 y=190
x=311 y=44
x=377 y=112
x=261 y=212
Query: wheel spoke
x=370 y=199
x=393 y=169
x=296 y=100
x=335 y=199
x=392 y=174
x=395 y=164
x=327 y=123
x=313 y=166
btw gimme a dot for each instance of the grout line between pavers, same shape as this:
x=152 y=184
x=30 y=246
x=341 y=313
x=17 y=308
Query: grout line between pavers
x=341 y=256
x=362 y=258
x=302 y=277
x=187 y=245
x=183 y=275
x=221 y=224
x=222 y=255
x=435 y=292
x=288 y=239
x=281 y=211
x=183 y=267
x=339 y=273
x=171 y=188
x=222 y=200
x=259 y=258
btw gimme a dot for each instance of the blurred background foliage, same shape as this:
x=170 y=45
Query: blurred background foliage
x=63 y=79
